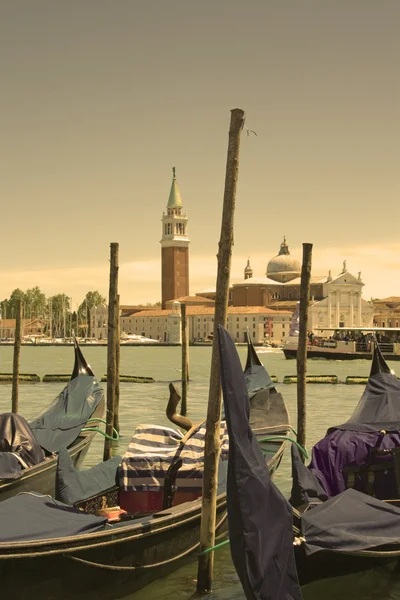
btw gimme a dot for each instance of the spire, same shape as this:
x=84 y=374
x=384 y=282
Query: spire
x=284 y=249
x=174 y=195
x=248 y=272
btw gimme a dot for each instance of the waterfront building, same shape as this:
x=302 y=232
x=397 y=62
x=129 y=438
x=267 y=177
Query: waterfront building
x=174 y=248
x=387 y=311
x=165 y=324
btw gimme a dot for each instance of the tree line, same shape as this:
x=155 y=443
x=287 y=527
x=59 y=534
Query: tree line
x=56 y=311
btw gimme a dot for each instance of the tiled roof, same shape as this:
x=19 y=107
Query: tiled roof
x=256 y=281
x=198 y=299
x=209 y=310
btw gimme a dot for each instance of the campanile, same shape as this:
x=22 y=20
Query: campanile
x=174 y=248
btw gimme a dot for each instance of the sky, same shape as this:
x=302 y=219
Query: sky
x=101 y=99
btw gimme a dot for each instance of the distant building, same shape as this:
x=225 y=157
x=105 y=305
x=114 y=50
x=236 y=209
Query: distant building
x=34 y=327
x=387 y=312
x=174 y=248
x=335 y=301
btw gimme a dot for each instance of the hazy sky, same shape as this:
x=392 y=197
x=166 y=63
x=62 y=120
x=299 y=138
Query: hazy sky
x=100 y=98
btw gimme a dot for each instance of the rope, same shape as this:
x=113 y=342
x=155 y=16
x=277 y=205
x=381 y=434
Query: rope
x=153 y=565
x=123 y=568
x=216 y=547
x=271 y=438
x=97 y=430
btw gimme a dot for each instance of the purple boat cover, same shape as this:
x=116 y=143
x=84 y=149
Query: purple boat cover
x=374 y=425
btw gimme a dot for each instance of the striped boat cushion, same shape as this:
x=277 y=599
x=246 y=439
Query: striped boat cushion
x=151 y=451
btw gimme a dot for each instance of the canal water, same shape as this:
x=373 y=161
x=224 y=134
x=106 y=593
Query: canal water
x=145 y=403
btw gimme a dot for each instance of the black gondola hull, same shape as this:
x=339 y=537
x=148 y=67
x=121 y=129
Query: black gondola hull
x=173 y=538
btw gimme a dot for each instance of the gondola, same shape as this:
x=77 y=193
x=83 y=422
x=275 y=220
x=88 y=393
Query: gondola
x=91 y=557
x=28 y=456
x=346 y=503
x=344 y=512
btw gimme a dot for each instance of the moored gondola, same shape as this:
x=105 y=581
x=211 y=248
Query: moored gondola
x=347 y=501
x=113 y=559
x=28 y=457
x=344 y=511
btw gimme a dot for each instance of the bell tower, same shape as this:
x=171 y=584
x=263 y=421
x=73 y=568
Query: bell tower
x=174 y=248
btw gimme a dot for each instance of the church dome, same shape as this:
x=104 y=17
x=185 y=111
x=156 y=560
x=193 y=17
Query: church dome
x=283 y=267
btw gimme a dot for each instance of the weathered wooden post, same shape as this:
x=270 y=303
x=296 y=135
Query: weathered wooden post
x=17 y=352
x=117 y=363
x=185 y=360
x=111 y=348
x=212 y=438
x=302 y=345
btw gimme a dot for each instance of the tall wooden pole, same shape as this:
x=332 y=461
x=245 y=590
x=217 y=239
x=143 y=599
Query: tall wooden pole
x=17 y=352
x=185 y=360
x=212 y=438
x=117 y=363
x=111 y=348
x=302 y=344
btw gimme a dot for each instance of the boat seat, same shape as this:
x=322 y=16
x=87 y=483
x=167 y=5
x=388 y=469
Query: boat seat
x=380 y=477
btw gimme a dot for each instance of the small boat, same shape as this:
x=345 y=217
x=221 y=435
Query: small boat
x=28 y=456
x=154 y=515
x=344 y=511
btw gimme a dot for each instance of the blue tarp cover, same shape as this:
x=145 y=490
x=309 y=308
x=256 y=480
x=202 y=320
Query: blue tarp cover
x=350 y=522
x=260 y=518
x=74 y=486
x=61 y=423
x=30 y=516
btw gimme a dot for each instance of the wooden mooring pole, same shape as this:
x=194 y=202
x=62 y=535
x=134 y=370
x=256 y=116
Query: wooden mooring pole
x=111 y=348
x=212 y=438
x=117 y=363
x=185 y=360
x=17 y=352
x=302 y=345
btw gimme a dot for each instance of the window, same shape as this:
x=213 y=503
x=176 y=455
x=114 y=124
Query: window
x=245 y=318
x=237 y=319
x=237 y=334
x=283 y=334
x=254 y=318
x=237 y=326
x=254 y=334
x=289 y=294
x=254 y=325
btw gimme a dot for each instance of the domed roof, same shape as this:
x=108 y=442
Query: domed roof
x=283 y=262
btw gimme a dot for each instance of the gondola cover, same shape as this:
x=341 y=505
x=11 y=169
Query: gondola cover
x=18 y=446
x=73 y=485
x=260 y=518
x=374 y=425
x=61 y=423
x=31 y=516
x=350 y=522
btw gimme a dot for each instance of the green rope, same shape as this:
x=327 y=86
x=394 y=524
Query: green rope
x=97 y=430
x=271 y=438
x=207 y=550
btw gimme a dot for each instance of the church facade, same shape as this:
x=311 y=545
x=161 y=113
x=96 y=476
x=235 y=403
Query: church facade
x=335 y=300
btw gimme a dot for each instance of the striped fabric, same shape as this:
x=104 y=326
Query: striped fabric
x=151 y=451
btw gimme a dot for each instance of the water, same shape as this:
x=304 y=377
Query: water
x=140 y=403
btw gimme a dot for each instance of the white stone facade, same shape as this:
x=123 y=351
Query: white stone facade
x=343 y=305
